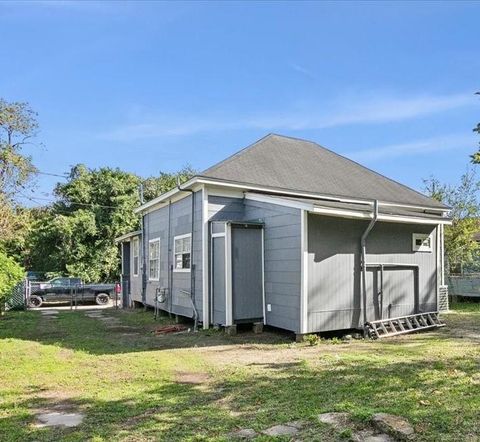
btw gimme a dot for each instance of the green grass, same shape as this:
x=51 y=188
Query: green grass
x=130 y=384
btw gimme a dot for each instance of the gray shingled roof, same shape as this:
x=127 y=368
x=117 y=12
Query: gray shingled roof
x=300 y=165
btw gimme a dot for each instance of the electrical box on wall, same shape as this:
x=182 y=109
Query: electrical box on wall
x=269 y=307
x=421 y=242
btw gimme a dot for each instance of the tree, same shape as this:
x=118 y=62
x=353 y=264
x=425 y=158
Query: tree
x=18 y=125
x=156 y=186
x=75 y=235
x=461 y=248
x=93 y=208
x=475 y=158
x=8 y=219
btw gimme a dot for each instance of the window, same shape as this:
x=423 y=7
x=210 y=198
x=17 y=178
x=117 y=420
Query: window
x=154 y=259
x=421 y=242
x=135 y=246
x=59 y=282
x=182 y=250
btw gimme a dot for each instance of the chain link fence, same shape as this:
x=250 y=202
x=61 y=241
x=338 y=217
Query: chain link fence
x=18 y=298
x=464 y=285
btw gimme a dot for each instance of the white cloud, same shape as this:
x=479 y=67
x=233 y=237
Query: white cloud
x=302 y=70
x=415 y=148
x=348 y=111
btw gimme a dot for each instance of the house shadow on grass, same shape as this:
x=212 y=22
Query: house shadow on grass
x=257 y=398
x=129 y=331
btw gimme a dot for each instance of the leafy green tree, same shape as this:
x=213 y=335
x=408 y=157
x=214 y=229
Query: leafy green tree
x=156 y=186
x=475 y=158
x=461 y=247
x=10 y=275
x=75 y=235
x=18 y=126
x=93 y=208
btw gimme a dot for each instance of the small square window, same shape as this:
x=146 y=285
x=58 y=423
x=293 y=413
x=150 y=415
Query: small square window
x=422 y=242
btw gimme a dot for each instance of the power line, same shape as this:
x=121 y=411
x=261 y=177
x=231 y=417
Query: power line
x=53 y=174
x=38 y=198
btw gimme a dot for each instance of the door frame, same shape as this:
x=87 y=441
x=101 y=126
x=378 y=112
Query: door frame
x=380 y=269
x=227 y=234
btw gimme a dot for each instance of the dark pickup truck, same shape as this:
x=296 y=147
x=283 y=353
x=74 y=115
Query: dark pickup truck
x=70 y=290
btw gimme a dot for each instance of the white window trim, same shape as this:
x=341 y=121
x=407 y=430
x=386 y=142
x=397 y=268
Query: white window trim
x=137 y=242
x=186 y=235
x=150 y=242
x=422 y=248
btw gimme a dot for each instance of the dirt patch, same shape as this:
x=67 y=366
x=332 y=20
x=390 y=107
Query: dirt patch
x=127 y=329
x=135 y=420
x=183 y=377
x=55 y=396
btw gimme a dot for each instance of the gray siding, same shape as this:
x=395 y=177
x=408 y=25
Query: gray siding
x=334 y=300
x=157 y=226
x=225 y=209
x=282 y=253
x=282 y=261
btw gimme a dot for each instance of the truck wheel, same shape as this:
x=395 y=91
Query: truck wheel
x=102 y=299
x=35 y=301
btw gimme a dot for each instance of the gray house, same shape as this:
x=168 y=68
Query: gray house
x=290 y=234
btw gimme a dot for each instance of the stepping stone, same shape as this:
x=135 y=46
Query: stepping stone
x=371 y=436
x=244 y=433
x=281 y=430
x=49 y=312
x=397 y=426
x=379 y=438
x=335 y=419
x=296 y=424
x=56 y=419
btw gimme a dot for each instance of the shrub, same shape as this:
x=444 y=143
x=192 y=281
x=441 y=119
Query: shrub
x=312 y=339
x=10 y=275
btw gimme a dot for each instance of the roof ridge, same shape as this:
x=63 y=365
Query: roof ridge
x=316 y=149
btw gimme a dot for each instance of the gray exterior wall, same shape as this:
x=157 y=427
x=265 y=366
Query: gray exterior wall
x=334 y=299
x=136 y=281
x=157 y=226
x=282 y=253
x=333 y=263
x=222 y=208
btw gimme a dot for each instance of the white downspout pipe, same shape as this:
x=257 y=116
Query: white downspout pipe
x=363 y=261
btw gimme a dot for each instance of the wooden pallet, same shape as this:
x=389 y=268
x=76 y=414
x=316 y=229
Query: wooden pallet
x=404 y=324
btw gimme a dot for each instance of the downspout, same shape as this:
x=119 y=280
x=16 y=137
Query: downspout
x=192 y=265
x=144 y=258
x=169 y=259
x=363 y=259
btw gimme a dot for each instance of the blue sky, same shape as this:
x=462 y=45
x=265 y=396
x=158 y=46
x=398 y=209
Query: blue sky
x=149 y=87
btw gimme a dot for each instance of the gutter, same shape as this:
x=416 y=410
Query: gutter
x=363 y=263
x=198 y=179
